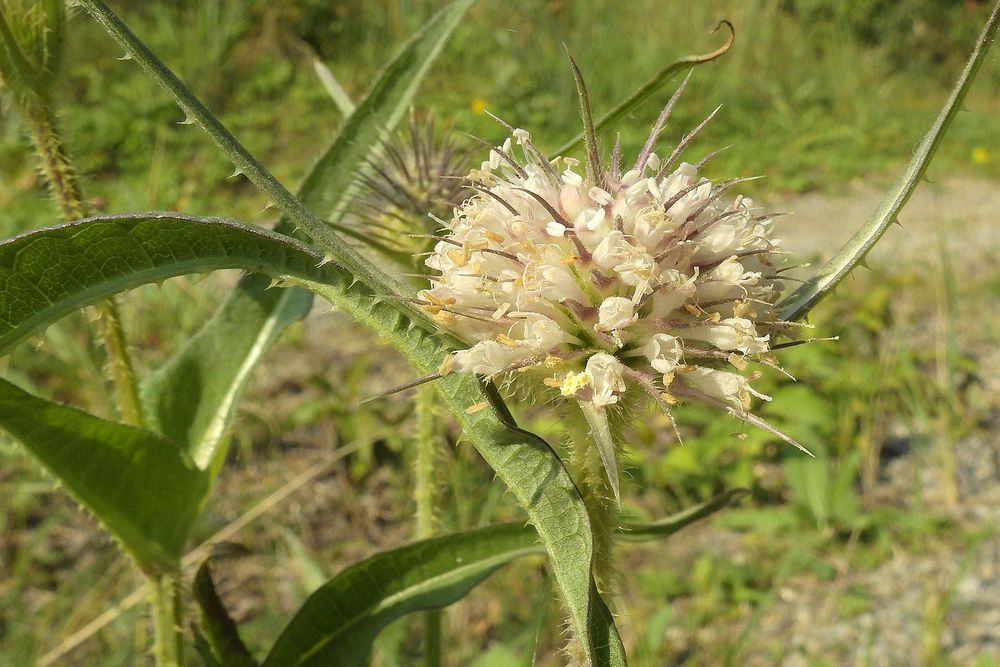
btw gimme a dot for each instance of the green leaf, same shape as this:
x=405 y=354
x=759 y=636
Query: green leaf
x=649 y=89
x=640 y=532
x=192 y=398
x=47 y=273
x=141 y=487
x=338 y=622
x=327 y=188
x=220 y=629
x=50 y=272
x=799 y=302
x=342 y=618
x=529 y=467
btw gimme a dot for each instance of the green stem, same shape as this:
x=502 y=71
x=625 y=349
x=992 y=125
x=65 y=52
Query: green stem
x=167 y=646
x=428 y=443
x=425 y=494
x=320 y=230
x=119 y=362
x=64 y=185
x=588 y=471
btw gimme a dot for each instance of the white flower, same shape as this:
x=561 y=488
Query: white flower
x=723 y=385
x=645 y=280
x=616 y=312
x=664 y=352
x=733 y=333
x=487 y=358
x=604 y=375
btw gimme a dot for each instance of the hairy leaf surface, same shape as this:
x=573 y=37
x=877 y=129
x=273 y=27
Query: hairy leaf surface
x=141 y=487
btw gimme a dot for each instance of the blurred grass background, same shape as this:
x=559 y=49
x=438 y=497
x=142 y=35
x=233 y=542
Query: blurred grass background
x=818 y=96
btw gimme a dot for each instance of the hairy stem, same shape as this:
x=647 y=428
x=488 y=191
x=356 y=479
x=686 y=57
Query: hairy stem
x=62 y=181
x=588 y=472
x=425 y=494
x=167 y=646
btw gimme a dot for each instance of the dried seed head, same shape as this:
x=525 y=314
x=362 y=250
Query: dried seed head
x=411 y=186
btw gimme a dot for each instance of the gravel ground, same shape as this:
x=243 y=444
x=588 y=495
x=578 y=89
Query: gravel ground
x=939 y=603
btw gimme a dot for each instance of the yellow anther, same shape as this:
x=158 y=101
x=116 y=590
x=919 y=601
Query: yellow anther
x=439 y=301
x=573 y=382
x=460 y=256
x=736 y=360
x=504 y=339
x=447 y=365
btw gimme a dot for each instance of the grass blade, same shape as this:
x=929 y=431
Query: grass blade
x=854 y=251
x=649 y=89
x=144 y=490
x=336 y=91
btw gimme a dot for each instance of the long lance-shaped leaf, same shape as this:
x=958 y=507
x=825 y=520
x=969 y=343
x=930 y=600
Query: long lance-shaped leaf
x=47 y=273
x=142 y=488
x=327 y=188
x=527 y=464
x=649 y=89
x=339 y=621
x=551 y=511
x=853 y=253
x=222 y=636
x=193 y=397
x=342 y=618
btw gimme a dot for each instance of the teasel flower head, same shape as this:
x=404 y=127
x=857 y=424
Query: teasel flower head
x=601 y=280
x=415 y=179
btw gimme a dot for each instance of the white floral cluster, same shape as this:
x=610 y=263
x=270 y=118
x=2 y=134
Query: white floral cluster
x=607 y=281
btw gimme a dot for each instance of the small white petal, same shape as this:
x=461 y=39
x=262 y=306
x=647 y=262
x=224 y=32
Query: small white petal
x=615 y=313
x=606 y=380
x=600 y=196
x=572 y=178
x=664 y=352
x=554 y=228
